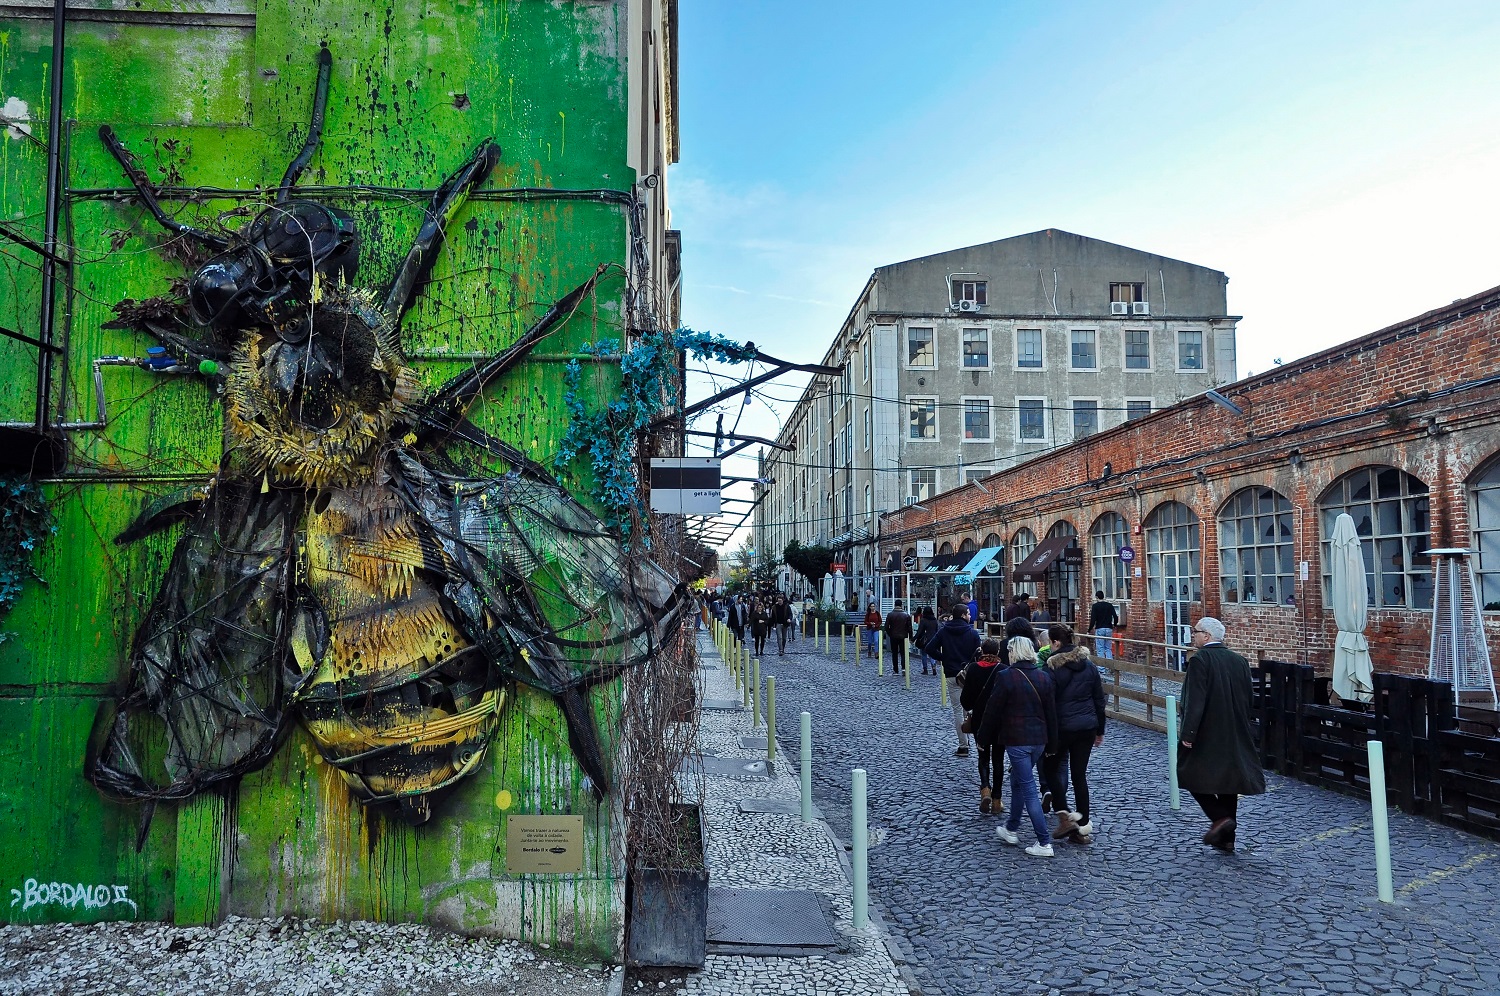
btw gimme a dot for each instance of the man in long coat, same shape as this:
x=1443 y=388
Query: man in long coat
x=1216 y=758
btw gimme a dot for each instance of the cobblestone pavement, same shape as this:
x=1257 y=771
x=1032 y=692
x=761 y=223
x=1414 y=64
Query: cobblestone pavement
x=770 y=851
x=1146 y=908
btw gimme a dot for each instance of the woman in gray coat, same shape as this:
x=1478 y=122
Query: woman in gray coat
x=1216 y=758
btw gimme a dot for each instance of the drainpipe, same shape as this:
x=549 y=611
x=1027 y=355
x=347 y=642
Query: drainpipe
x=47 y=317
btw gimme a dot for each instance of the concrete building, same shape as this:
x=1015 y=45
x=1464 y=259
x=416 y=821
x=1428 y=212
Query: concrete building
x=963 y=363
x=1229 y=513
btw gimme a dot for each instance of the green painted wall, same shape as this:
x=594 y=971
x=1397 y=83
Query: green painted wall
x=223 y=102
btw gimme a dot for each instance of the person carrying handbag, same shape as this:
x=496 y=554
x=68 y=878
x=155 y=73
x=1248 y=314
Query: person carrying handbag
x=1022 y=715
x=975 y=682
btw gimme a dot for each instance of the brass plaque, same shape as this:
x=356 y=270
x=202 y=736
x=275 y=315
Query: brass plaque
x=543 y=844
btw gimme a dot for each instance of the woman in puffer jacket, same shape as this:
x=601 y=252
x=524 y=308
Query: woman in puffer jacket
x=975 y=682
x=1080 y=723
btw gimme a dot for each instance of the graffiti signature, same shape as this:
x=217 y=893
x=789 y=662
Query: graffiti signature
x=90 y=897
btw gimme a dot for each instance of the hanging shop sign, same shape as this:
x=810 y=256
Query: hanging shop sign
x=685 y=485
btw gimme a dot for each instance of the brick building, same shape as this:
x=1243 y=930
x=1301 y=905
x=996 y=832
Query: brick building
x=1228 y=513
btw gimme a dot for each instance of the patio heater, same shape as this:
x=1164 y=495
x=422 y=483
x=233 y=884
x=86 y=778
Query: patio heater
x=1458 y=653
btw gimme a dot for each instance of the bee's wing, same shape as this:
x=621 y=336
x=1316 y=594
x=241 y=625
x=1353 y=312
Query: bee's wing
x=222 y=648
x=543 y=568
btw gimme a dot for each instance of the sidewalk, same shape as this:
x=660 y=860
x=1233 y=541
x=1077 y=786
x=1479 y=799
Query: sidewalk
x=769 y=851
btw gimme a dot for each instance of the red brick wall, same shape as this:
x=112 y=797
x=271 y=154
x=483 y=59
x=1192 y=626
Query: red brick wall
x=1413 y=396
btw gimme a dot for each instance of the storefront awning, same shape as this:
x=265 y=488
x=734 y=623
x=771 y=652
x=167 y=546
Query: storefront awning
x=985 y=563
x=946 y=563
x=1037 y=562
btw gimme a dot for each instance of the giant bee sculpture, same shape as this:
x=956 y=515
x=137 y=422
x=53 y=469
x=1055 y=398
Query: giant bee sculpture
x=341 y=569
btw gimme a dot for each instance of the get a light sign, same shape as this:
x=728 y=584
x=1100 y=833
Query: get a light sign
x=685 y=485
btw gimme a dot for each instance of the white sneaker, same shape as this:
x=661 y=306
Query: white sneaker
x=1006 y=835
x=1040 y=850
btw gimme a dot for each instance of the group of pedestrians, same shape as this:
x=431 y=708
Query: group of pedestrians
x=759 y=615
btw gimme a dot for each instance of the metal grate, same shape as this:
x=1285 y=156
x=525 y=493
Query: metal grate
x=769 y=922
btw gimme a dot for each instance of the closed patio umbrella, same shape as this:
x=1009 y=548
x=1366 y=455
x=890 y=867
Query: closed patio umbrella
x=1352 y=670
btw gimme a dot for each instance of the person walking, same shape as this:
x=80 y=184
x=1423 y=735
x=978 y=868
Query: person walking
x=897 y=633
x=1022 y=715
x=927 y=627
x=760 y=625
x=871 y=628
x=794 y=606
x=781 y=618
x=1080 y=728
x=975 y=681
x=1103 y=618
x=1020 y=606
x=955 y=646
x=1216 y=758
x=738 y=612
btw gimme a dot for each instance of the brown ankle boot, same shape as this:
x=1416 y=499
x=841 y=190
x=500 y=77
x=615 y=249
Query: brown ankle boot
x=986 y=800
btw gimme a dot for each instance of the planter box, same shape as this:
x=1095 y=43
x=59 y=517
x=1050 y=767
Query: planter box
x=667 y=920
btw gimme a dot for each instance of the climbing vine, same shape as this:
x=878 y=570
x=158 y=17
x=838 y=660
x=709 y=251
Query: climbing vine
x=25 y=521
x=607 y=437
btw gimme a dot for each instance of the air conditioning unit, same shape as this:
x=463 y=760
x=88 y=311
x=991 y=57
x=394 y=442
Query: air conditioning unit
x=1140 y=308
x=968 y=306
x=1119 y=307
x=911 y=499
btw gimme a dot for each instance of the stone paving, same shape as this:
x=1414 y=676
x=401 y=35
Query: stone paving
x=1146 y=908
x=772 y=851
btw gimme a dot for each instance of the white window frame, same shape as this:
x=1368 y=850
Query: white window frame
x=1486 y=532
x=937 y=418
x=867 y=348
x=906 y=345
x=957 y=294
x=1202 y=351
x=1095 y=367
x=1150 y=366
x=989 y=348
x=1046 y=436
x=911 y=484
x=1098 y=420
x=1125 y=402
x=989 y=403
x=1016 y=348
x=869 y=502
x=869 y=427
x=978 y=472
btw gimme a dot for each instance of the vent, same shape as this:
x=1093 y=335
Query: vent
x=1140 y=308
x=1119 y=307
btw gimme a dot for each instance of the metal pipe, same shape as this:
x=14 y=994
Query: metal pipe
x=48 y=315
x=1379 y=822
x=861 y=861
x=806 y=722
x=1174 y=795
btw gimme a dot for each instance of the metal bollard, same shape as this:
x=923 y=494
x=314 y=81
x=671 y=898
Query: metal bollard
x=861 y=852
x=755 y=697
x=770 y=717
x=942 y=687
x=1174 y=795
x=806 y=766
x=745 y=689
x=844 y=644
x=907 y=662
x=1379 y=822
x=880 y=652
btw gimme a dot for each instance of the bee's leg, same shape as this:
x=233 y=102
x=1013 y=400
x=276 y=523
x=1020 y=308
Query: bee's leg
x=446 y=201
x=148 y=196
x=314 y=130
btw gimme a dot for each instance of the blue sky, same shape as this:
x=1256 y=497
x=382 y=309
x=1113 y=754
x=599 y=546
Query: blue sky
x=1339 y=161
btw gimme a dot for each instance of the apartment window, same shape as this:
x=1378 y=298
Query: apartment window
x=869 y=502
x=1137 y=408
x=1031 y=419
x=1126 y=293
x=869 y=352
x=972 y=474
x=976 y=347
x=921 y=418
x=1029 y=348
x=977 y=420
x=848 y=442
x=923 y=483
x=1255 y=548
x=1390 y=511
x=1137 y=349
x=1189 y=350
x=974 y=291
x=1085 y=417
x=919 y=351
x=1085 y=355
x=869 y=426
x=848 y=505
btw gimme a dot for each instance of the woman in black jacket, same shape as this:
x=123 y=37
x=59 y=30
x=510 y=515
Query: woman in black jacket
x=927 y=627
x=975 y=682
x=1080 y=722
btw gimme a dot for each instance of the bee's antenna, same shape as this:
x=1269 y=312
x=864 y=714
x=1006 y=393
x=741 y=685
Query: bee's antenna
x=315 y=130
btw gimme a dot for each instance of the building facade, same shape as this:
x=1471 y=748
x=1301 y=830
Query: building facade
x=1228 y=511
x=967 y=362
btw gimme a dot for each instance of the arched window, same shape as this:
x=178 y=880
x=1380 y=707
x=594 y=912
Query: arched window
x=1389 y=508
x=1110 y=532
x=1255 y=548
x=1021 y=545
x=1172 y=566
x=1062 y=576
x=945 y=550
x=967 y=546
x=1484 y=496
x=991 y=542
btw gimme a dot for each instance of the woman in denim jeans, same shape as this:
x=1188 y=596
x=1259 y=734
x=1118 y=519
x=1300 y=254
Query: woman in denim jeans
x=927 y=627
x=1021 y=715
